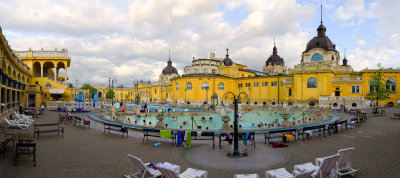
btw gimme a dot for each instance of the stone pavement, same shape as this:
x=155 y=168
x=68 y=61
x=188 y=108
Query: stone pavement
x=84 y=152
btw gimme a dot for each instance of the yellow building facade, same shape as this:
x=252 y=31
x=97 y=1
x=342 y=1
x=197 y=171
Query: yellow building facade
x=14 y=78
x=321 y=78
x=49 y=76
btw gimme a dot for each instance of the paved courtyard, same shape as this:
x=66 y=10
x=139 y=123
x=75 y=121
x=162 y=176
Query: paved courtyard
x=84 y=152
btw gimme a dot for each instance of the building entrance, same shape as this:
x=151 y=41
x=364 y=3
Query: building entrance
x=337 y=93
x=31 y=100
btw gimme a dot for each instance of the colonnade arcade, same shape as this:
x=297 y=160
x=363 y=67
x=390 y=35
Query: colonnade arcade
x=51 y=70
x=14 y=76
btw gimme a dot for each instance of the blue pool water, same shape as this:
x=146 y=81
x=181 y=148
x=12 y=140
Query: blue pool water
x=248 y=118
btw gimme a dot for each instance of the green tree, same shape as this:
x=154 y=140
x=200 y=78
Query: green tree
x=87 y=86
x=127 y=97
x=109 y=94
x=378 y=89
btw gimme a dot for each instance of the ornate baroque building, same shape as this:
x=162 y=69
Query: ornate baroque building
x=321 y=78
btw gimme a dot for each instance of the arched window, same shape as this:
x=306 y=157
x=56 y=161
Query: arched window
x=373 y=83
x=188 y=86
x=205 y=86
x=312 y=83
x=47 y=85
x=221 y=86
x=317 y=57
x=196 y=71
x=177 y=86
x=205 y=70
x=391 y=85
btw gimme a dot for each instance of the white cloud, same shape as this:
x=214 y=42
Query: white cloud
x=131 y=40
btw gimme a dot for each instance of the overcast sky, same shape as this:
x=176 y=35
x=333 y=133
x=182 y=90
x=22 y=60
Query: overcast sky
x=129 y=40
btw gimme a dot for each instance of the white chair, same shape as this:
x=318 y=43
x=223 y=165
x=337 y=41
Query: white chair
x=22 y=120
x=327 y=167
x=143 y=169
x=13 y=123
x=344 y=164
x=22 y=115
x=283 y=173
x=246 y=176
x=169 y=172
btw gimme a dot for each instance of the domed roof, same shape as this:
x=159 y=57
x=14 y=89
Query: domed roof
x=169 y=69
x=320 y=41
x=227 y=61
x=275 y=59
x=344 y=61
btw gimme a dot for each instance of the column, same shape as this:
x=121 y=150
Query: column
x=66 y=76
x=55 y=75
x=41 y=71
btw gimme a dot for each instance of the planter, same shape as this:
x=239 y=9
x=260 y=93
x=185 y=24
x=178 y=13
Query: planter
x=285 y=122
x=225 y=125
x=160 y=124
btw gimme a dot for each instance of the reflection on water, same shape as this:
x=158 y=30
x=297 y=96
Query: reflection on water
x=248 y=120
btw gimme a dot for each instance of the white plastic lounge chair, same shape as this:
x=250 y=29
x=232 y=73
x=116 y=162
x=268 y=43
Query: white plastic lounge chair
x=143 y=169
x=13 y=123
x=344 y=163
x=246 y=176
x=169 y=172
x=22 y=115
x=283 y=173
x=22 y=120
x=327 y=167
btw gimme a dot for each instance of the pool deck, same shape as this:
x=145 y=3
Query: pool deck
x=84 y=152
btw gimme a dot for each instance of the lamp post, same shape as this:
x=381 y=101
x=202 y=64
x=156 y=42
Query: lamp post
x=137 y=97
x=185 y=95
x=249 y=96
x=344 y=104
x=112 y=89
x=207 y=88
x=236 y=153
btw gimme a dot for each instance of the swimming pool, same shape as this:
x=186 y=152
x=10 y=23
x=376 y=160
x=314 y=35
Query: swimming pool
x=248 y=120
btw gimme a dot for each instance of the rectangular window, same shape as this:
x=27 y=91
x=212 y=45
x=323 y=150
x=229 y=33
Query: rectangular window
x=290 y=92
x=256 y=84
x=247 y=84
x=240 y=85
x=274 y=83
x=355 y=89
x=264 y=84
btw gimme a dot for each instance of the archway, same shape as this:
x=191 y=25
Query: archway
x=273 y=103
x=290 y=103
x=390 y=104
x=312 y=103
x=264 y=103
x=354 y=105
x=48 y=70
x=36 y=69
x=335 y=105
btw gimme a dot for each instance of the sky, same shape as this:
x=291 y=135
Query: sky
x=130 y=39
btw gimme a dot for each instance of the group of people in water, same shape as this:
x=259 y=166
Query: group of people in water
x=242 y=116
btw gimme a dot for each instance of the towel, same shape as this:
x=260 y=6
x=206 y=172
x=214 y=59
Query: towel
x=229 y=137
x=246 y=136
x=189 y=139
x=165 y=134
x=184 y=135
x=309 y=132
x=198 y=133
x=289 y=137
x=179 y=140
